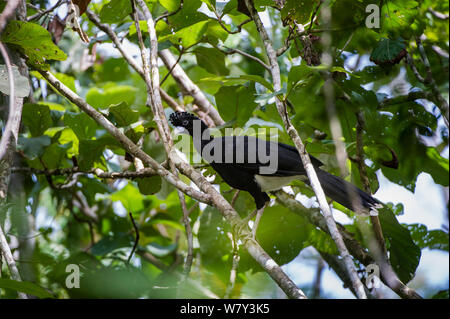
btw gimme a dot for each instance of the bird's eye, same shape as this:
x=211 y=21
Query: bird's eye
x=185 y=123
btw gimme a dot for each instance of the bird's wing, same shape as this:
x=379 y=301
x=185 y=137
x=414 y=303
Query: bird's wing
x=256 y=156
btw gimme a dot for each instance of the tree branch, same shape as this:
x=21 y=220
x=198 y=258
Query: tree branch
x=8 y=144
x=209 y=195
x=314 y=181
x=245 y=54
x=441 y=103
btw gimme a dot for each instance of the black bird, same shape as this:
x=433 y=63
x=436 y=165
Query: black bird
x=258 y=166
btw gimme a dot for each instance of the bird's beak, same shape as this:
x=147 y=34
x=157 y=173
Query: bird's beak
x=179 y=130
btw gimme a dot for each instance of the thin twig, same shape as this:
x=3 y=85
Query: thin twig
x=318 y=279
x=245 y=54
x=145 y=172
x=136 y=241
x=168 y=14
x=171 y=69
x=238 y=28
x=41 y=12
x=313 y=17
x=234 y=266
x=7 y=13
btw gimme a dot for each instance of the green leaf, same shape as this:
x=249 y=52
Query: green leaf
x=21 y=83
x=284 y=234
x=188 y=36
x=297 y=10
x=188 y=16
x=33 y=147
x=115 y=11
x=37 y=118
x=149 y=185
x=161 y=251
x=388 y=52
x=215 y=246
x=212 y=60
x=432 y=239
x=54 y=155
x=67 y=80
x=111 y=95
x=236 y=102
x=111 y=243
x=68 y=136
x=113 y=69
x=443 y=294
x=130 y=197
x=437 y=166
x=91 y=154
x=82 y=125
x=123 y=114
x=34 y=41
x=25 y=287
x=170 y=5
x=135 y=133
x=404 y=253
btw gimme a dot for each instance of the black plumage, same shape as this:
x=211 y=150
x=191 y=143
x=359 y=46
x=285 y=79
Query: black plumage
x=242 y=162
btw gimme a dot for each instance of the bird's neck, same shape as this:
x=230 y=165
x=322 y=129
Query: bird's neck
x=200 y=134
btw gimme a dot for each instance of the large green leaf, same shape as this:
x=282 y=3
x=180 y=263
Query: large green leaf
x=91 y=154
x=37 y=118
x=110 y=243
x=403 y=252
x=33 y=147
x=170 y=5
x=188 y=36
x=130 y=197
x=115 y=11
x=82 y=125
x=34 y=41
x=123 y=114
x=26 y=287
x=212 y=60
x=388 y=52
x=114 y=94
x=236 y=103
x=21 y=83
x=282 y=234
x=297 y=10
x=215 y=245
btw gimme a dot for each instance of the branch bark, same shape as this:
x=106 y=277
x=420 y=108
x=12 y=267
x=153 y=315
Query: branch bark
x=8 y=147
x=312 y=176
x=208 y=193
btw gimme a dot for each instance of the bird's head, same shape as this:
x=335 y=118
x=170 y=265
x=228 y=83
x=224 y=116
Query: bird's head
x=186 y=121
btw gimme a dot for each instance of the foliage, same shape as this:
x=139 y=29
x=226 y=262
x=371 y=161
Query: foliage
x=88 y=223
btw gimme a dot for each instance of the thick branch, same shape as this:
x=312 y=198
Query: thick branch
x=8 y=146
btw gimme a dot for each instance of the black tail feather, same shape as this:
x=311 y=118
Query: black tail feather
x=348 y=194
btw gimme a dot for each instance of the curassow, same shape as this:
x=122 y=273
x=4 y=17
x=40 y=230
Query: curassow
x=259 y=166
